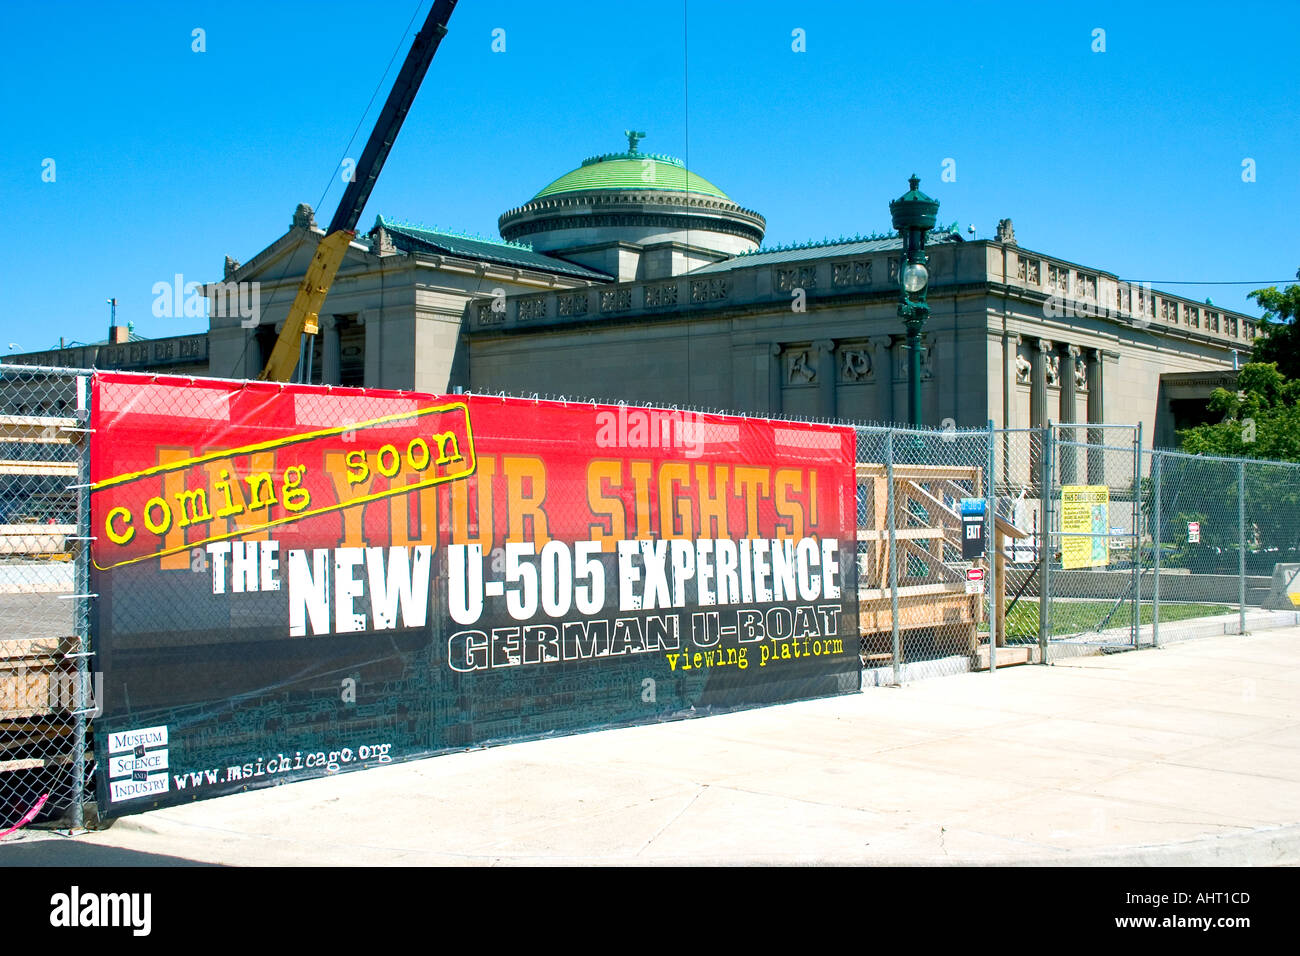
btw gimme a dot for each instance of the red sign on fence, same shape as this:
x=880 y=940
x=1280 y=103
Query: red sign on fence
x=293 y=580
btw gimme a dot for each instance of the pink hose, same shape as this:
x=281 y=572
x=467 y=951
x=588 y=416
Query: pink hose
x=27 y=818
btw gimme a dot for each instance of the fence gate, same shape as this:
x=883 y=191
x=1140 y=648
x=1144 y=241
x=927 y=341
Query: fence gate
x=1092 y=562
x=1070 y=501
x=45 y=683
x=919 y=614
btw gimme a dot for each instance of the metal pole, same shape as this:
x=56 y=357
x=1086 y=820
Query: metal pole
x=914 y=373
x=1241 y=547
x=81 y=609
x=1157 y=469
x=991 y=549
x=893 y=556
x=1137 y=537
x=1045 y=545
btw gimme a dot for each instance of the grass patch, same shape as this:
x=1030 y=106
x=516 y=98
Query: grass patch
x=1075 y=617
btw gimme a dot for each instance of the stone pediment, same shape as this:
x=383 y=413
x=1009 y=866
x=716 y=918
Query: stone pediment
x=288 y=258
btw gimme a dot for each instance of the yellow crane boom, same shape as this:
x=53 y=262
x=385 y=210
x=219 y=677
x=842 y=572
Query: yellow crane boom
x=304 y=313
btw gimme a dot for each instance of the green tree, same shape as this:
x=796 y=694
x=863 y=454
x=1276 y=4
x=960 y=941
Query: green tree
x=1279 y=331
x=1260 y=420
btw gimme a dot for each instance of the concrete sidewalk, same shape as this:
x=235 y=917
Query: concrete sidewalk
x=1184 y=755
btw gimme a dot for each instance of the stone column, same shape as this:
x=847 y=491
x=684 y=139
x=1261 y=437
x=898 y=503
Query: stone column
x=882 y=363
x=774 y=376
x=254 y=359
x=1096 y=414
x=330 y=357
x=1037 y=401
x=372 y=321
x=1038 y=383
x=825 y=358
x=1068 y=413
x=1010 y=352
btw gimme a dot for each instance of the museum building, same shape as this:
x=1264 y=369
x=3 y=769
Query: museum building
x=631 y=278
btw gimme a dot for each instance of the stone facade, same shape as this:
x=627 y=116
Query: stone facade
x=175 y=355
x=1015 y=336
x=629 y=289
x=393 y=315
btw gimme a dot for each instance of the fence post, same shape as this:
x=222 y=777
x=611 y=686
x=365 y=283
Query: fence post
x=893 y=555
x=1157 y=470
x=991 y=549
x=1241 y=546
x=1045 y=545
x=1137 y=537
x=81 y=609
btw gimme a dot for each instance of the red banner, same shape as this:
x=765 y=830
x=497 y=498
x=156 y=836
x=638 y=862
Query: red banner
x=649 y=562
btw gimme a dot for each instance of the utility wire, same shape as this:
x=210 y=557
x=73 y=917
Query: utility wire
x=248 y=340
x=401 y=42
x=1207 y=281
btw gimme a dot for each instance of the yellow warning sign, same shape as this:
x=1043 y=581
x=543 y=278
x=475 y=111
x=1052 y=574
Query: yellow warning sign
x=1085 y=526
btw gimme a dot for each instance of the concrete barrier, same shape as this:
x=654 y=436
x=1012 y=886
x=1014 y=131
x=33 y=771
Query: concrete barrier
x=1284 y=590
x=1176 y=585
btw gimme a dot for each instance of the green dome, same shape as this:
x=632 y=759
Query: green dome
x=641 y=171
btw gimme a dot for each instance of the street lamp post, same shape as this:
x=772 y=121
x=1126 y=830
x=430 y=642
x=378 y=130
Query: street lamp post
x=913 y=214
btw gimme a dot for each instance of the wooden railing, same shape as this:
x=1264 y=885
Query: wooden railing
x=931 y=574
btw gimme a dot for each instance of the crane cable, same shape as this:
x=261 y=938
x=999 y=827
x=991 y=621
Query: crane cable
x=330 y=183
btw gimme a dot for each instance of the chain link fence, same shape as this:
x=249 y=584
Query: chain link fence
x=1100 y=547
x=46 y=693
x=1090 y=558
x=922 y=595
x=1224 y=545
x=1018 y=487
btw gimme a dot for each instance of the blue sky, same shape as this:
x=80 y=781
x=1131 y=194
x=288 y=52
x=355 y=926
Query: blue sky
x=166 y=160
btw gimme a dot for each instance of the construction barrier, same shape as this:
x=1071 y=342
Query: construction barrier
x=291 y=581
